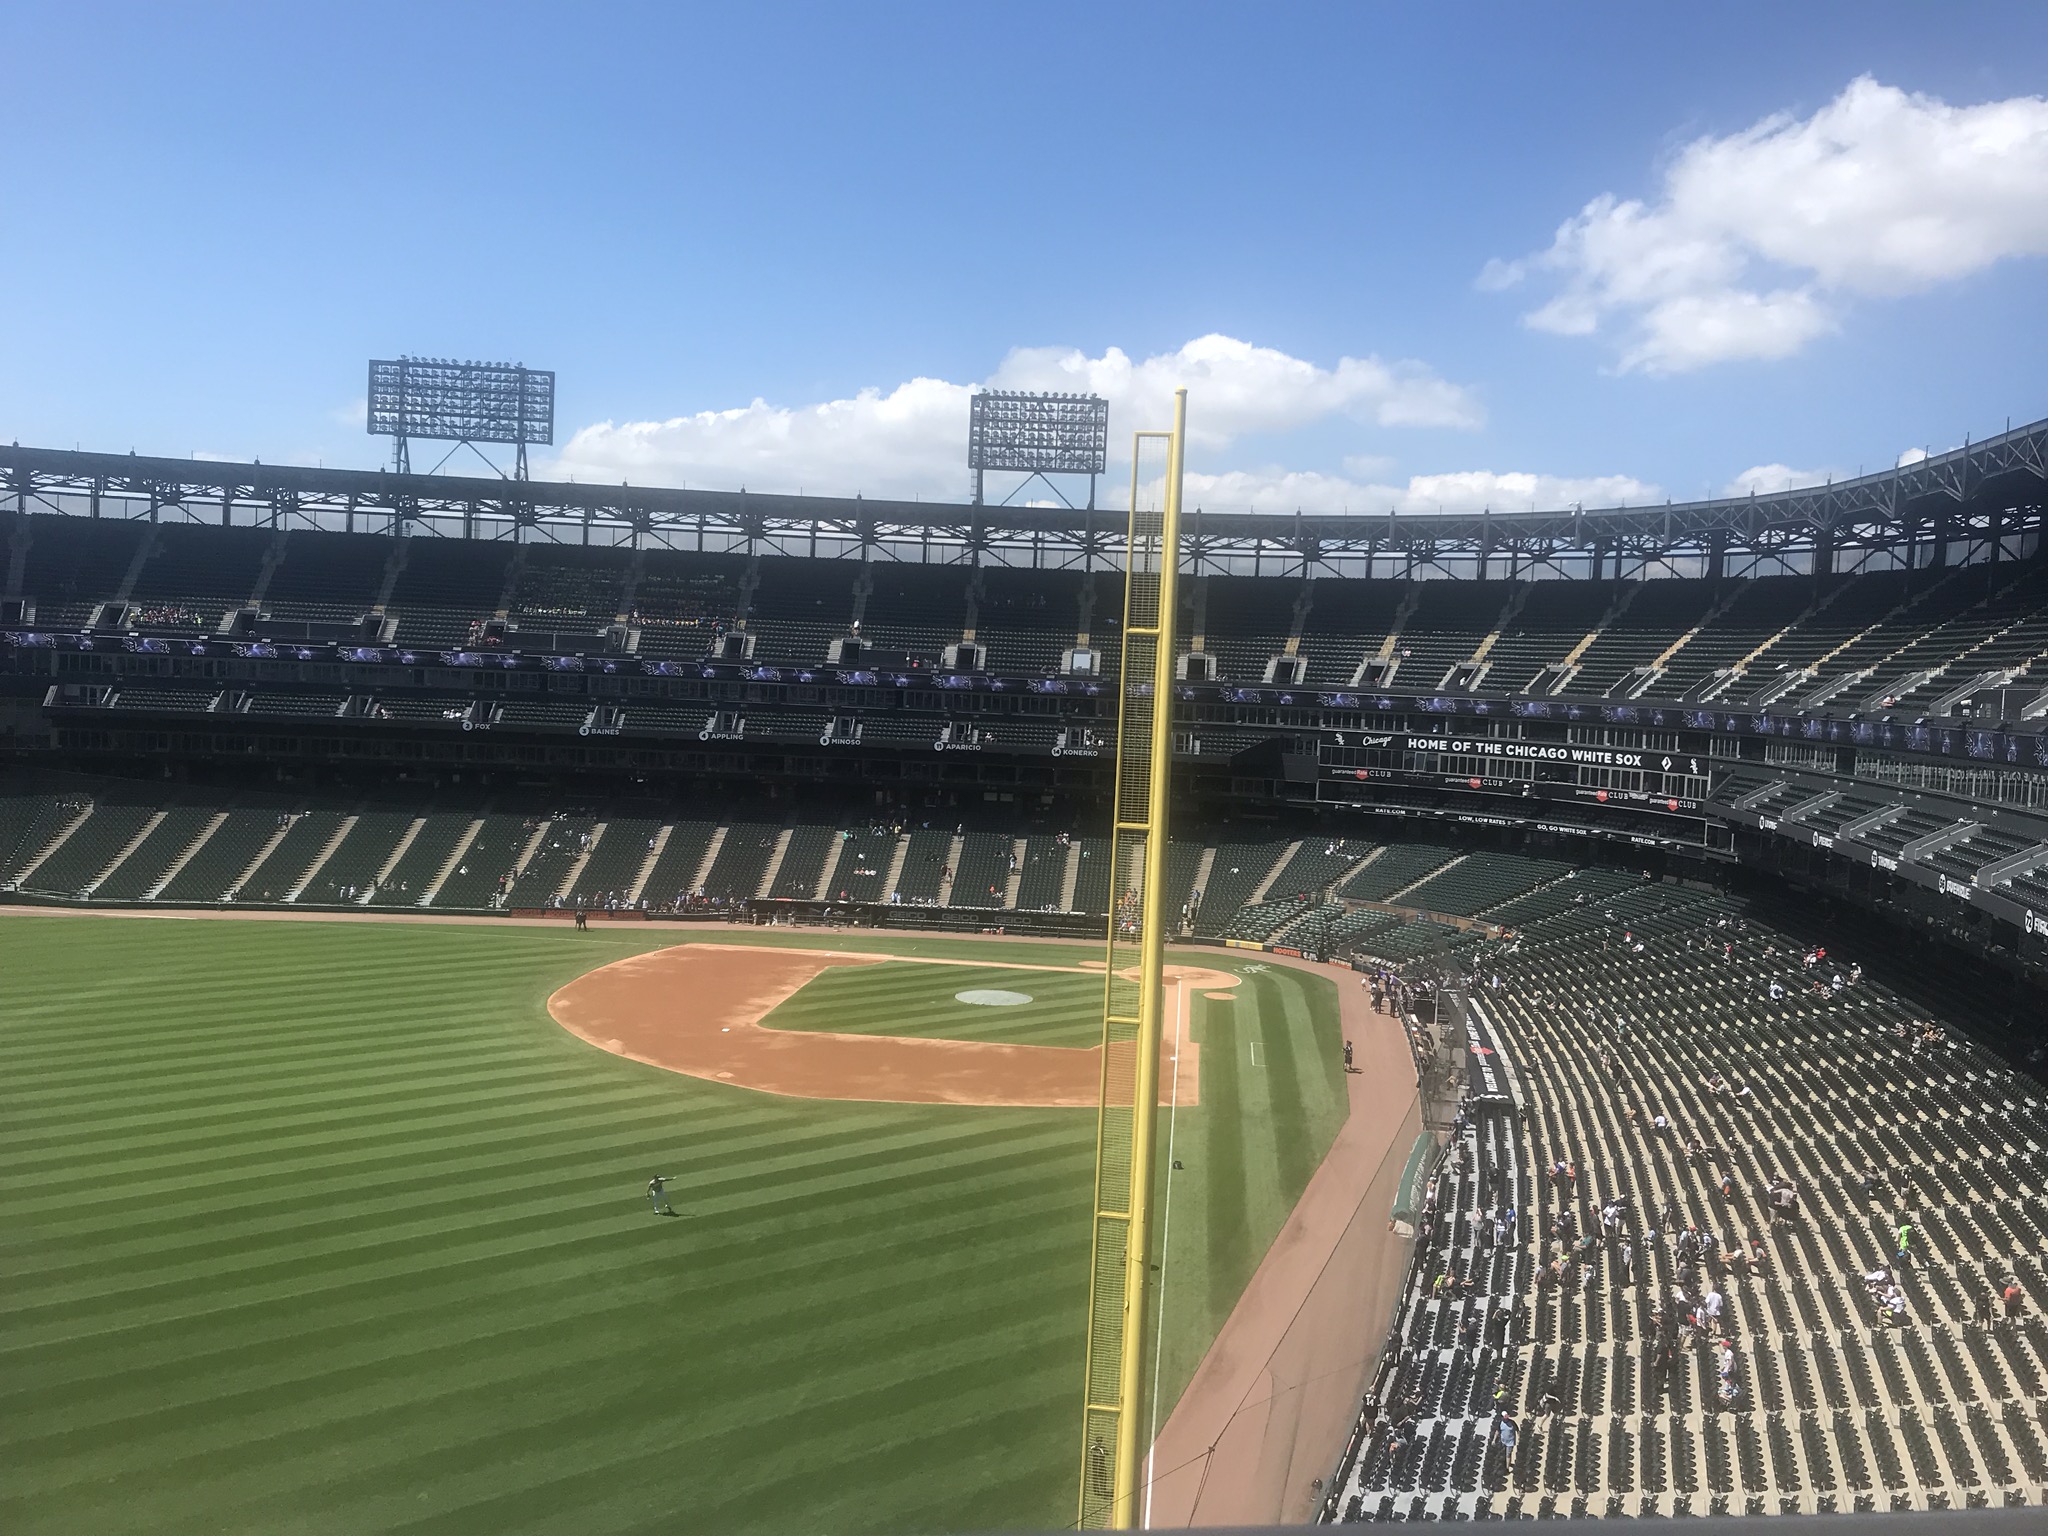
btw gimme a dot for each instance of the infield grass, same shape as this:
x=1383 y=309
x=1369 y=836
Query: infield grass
x=328 y=1227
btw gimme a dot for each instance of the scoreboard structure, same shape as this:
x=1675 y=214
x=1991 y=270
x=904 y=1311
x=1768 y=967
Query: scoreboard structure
x=445 y=401
x=1037 y=435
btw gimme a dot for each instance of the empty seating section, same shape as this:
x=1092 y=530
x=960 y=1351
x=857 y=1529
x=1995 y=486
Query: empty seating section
x=1248 y=619
x=163 y=696
x=1657 y=616
x=682 y=601
x=1029 y=619
x=803 y=862
x=2000 y=602
x=483 y=871
x=411 y=879
x=1347 y=624
x=924 y=868
x=1917 y=635
x=1476 y=885
x=914 y=608
x=1316 y=864
x=1827 y=621
x=735 y=875
x=1235 y=876
x=1927 y=608
x=1578 y=887
x=1552 y=618
x=983 y=878
x=219 y=861
x=270 y=701
x=801 y=607
x=1092 y=876
x=327 y=577
x=1261 y=920
x=352 y=868
x=1964 y=857
x=1837 y=814
x=1398 y=866
x=78 y=862
x=447 y=585
x=558 y=589
x=29 y=823
x=74 y=564
x=195 y=575
x=1044 y=874
x=623 y=845
x=151 y=859
x=1653 y=1066
x=1893 y=835
x=1757 y=609
x=120 y=847
x=1183 y=864
x=285 y=867
x=1451 y=618
x=673 y=879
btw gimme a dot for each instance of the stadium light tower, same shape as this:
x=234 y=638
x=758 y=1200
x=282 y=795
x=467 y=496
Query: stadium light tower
x=1037 y=436
x=1113 y=1447
x=461 y=403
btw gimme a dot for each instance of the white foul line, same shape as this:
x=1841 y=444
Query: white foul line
x=1180 y=1037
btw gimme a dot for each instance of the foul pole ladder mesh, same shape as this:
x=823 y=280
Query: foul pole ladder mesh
x=1108 y=1318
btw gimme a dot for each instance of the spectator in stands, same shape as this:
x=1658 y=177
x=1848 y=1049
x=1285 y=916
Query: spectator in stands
x=1985 y=1313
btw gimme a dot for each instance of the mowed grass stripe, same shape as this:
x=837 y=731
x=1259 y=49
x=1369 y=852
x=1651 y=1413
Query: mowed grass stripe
x=891 y=1308
x=324 y=1256
x=452 y=1304
x=259 y=1199
x=242 y=1343
x=894 y=1185
x=833 y=1439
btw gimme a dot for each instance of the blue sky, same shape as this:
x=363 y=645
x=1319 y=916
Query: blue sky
x=220 y=211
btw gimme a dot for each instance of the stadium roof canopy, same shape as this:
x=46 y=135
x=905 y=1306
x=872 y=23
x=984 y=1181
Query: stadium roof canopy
x=1982 y=501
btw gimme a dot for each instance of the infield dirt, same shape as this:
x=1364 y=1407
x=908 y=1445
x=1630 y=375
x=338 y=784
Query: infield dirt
x=697 y=1009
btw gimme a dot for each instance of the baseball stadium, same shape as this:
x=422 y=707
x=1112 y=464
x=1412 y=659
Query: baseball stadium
x=538 y=1006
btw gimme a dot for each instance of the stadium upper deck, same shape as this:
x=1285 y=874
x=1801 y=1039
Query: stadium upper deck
x=1978 y=498
x=190 y=612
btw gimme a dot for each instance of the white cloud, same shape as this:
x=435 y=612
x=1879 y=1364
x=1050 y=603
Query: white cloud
x=1911 y=456
x=912 y=439
x=1769 y=479
x=1285 y=491
x=1760 y=239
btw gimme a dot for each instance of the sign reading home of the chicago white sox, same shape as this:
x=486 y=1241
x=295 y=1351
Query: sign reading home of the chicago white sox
x=1545 y=752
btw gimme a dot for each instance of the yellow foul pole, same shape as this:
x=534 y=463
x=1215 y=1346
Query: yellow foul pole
x=1113 y=1447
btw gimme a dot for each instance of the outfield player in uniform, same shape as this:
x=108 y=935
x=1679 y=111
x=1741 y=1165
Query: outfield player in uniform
x=657 y=1194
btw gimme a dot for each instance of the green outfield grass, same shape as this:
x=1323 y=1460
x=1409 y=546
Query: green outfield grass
x=328 y=1228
